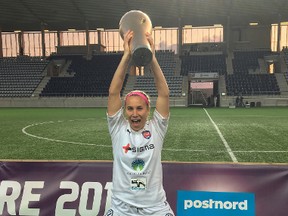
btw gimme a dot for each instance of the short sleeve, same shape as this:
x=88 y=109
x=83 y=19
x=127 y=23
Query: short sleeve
x=160 y=123
x=115 y=122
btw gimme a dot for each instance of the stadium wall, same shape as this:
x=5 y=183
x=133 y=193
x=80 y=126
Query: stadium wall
x=249 y=38
x=84 y=188
x=74 y=102
x=225 y=101
x=259 y=101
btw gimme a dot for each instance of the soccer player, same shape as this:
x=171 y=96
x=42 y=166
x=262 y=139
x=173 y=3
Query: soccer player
x=137 y=143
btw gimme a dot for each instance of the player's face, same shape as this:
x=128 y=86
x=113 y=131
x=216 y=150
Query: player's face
x=137 y=112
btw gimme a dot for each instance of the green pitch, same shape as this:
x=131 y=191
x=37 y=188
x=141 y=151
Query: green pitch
x=195 y=134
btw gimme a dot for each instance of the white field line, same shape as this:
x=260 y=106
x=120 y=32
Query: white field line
x=55 y=140
x=267 y=151
x=220 y=151
x=184 y=150
x=93 y=144
x=229 y=150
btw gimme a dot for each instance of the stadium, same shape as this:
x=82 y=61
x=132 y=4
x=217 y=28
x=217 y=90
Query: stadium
x=226 y=65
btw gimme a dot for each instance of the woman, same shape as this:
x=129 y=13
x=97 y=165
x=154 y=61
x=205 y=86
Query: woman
x=137 y=143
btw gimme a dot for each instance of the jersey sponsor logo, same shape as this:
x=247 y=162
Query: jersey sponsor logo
x=138 y=184
x=143 y=148
x=146 y=134
x=137 y=149
x=148 y=172
x=126 y=148
x=138 y=165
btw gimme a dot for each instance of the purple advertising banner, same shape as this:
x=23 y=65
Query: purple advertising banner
x=84 y=188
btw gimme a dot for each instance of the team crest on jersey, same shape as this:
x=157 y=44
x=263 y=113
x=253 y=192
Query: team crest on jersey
x=146 y=134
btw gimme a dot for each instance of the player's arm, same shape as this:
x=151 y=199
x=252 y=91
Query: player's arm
x=114 y=98
x=162 y=103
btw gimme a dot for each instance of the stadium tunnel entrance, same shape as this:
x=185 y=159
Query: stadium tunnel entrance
x=203 y=90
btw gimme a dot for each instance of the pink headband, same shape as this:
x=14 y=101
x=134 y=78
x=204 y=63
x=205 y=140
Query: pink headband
x=140 y=94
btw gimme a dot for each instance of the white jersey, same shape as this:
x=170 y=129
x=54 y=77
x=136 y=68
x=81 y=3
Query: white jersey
x=137 y=168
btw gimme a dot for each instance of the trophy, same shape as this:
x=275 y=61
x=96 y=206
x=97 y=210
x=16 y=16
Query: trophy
x=140 y=24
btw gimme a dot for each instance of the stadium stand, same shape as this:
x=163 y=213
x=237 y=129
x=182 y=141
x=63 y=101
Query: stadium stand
x=251 y=84
x=167 y=61
x=146 y=83
x=203 y=63
x=91 y=78
x=20 y=76
x=285 y=52
x=245 y=60
x=242 y=82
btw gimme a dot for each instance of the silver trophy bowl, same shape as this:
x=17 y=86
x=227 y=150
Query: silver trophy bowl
x=140 y=24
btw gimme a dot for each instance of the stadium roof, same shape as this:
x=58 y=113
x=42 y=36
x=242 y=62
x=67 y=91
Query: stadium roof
x=28 y=15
